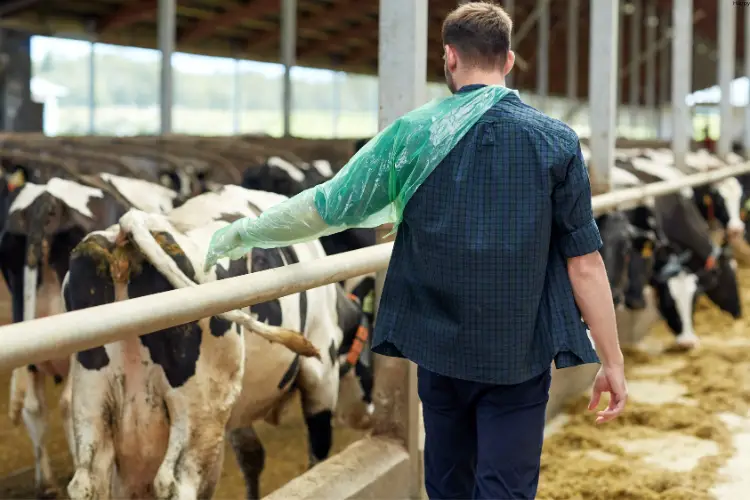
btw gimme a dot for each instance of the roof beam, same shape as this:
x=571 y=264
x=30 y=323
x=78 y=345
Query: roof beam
x=229 y=19
x=13 y=7
x=327 y=17
x=364 y=30
x=129 y=14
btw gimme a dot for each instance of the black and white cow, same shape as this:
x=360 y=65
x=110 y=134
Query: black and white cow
x=678 y=251
x=705 y=267
x=42 y=225
x=147 y=416
x=718 y=202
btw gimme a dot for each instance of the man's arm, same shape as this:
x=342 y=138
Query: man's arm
x=579 y=240
x=594 y=297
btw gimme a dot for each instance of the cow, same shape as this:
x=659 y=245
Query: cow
x=718 y=202
x=682 y=234
x=41 y=226
x=704 y=266
x=148 y=415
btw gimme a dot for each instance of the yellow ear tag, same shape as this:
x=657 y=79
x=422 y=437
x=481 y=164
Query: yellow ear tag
x=647 y=251
x=16 y=180
x=707 y=200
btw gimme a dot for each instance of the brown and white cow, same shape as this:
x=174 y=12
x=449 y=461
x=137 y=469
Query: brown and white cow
x=149 y=415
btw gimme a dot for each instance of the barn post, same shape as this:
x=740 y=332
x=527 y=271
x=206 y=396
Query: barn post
x=746 y=51
x=664 y=79
x=288 y=56
x=236 y=98
x=634 y=85
x=727 y=29
x=542 y=60
x=509 y=6
x=652 y=23
x=402 y=85
x=571 y=78
x=167 y=25
x=92 y=87
x=602 y=92
x=682 y=79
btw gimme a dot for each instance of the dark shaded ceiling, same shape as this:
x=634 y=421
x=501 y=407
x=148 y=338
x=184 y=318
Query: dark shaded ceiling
x=342 y=34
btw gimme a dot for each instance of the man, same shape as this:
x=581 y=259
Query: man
x=496 y=250
x=494 y=265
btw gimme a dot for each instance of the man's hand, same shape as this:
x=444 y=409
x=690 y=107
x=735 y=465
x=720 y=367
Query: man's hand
x=611 y=379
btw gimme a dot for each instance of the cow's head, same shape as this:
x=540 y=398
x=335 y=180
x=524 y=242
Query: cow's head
x=276 y=175
x=615 y=230
x=186 y=182
x=718 y=280
x=722 y=202
x=647 y=240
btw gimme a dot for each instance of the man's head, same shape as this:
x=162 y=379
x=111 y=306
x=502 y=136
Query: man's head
x=476 y=40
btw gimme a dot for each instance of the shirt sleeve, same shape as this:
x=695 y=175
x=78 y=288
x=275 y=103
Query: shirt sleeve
x=575 y=229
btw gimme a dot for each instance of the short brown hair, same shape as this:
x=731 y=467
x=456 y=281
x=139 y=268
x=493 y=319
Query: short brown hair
x=480 y=32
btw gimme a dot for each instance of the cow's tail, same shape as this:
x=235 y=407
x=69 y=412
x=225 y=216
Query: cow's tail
x=135 y=225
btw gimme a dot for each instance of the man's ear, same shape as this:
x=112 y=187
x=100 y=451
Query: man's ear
x=451 y=57
x=509 y=62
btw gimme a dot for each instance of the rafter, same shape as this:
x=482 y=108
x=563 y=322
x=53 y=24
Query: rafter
x=327 y=17
x=11 y=7
x=129 y=14
x=367 y=30
x=230 y=18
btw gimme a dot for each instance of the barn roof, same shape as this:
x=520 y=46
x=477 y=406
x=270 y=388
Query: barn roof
x=338 y=34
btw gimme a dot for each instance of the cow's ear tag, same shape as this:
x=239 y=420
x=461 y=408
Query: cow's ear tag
x=17 y=180
x=710 y=263
x=647 y=250
x=707 y=200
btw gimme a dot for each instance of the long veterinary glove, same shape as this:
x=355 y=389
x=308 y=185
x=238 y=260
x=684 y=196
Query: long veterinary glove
x=292 y=221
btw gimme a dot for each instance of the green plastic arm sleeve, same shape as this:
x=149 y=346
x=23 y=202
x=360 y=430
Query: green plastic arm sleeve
x=373 y=187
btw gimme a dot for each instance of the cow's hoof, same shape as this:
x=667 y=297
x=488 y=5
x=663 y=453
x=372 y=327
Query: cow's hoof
x=165 y=486
x=81 y=487
x=688 y=341
x=47 y=492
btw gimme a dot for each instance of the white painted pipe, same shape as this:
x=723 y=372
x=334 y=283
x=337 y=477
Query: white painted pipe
x=627 y=197
x=55 y=336
x=63 y=334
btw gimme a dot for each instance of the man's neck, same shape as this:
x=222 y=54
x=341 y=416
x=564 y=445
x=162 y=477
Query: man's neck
x=479 y=78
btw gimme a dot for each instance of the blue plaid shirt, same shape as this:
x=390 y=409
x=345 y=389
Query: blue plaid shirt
x=477 y=287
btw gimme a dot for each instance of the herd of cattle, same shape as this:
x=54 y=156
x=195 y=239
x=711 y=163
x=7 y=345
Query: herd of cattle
x=147 y=417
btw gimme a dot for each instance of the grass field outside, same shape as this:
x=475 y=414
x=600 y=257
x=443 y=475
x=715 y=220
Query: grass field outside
x=132 y=120
x=314 y=124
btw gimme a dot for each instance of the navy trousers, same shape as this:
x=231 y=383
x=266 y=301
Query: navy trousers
x=482 y=441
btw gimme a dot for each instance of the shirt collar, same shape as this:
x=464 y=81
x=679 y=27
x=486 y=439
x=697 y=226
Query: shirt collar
x=469 y=88
x=475 y=86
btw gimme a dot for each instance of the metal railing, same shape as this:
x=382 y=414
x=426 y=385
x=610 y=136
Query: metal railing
x=63 y=334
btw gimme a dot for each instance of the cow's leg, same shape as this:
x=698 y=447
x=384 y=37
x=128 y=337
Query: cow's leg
x=90 y=413
x=251 y=458
x=34 y=412
x=319 y=384
x=194 y=457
